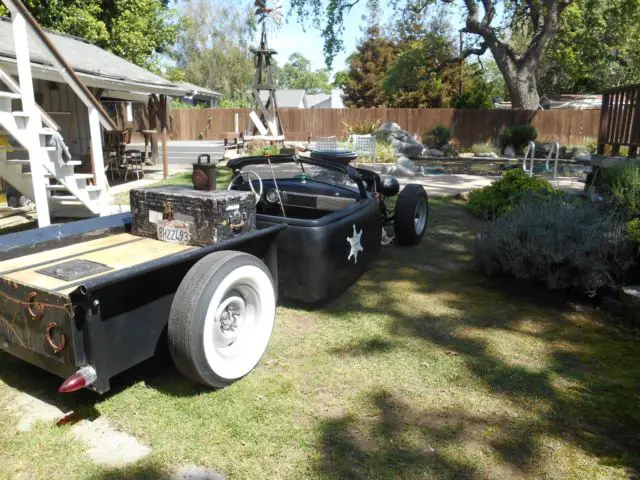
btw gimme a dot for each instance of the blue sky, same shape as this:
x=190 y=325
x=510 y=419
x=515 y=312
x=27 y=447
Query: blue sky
x=292 y=38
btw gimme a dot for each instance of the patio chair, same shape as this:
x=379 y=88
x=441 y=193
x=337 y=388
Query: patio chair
x=364 y=145
x=134 y=161
x=326 y=143
x=113 y=166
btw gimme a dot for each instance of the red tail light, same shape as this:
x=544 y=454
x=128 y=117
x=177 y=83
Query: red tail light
x=81 y=379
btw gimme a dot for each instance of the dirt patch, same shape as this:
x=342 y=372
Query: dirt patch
x=192 y=472
x=108 y=446
x=296 y=322
x=31 y=410
x=329 y=406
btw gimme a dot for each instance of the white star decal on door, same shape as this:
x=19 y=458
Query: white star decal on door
x=355 y=244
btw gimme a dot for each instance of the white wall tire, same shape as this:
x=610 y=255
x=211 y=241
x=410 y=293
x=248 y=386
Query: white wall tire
x=222 y=317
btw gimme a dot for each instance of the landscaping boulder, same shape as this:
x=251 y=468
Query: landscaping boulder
x=630 y=296
x=432 y=152
x=401 y=139
x=389 y=128
x=509 y=151
x=405 y=167
x=406 y=162
x=487 y=155
x=543 y=149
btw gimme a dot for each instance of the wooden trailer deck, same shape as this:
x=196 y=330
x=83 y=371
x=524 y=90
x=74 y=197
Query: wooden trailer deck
x=115 y=252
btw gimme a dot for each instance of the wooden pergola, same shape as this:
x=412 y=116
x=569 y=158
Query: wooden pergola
x=154 y=120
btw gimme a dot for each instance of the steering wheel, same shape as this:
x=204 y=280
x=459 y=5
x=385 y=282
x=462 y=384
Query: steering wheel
x=258 y=195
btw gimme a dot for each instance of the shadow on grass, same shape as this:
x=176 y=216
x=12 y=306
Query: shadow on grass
x=402 y=441
x=386 y=448
x=158 y=373
x=590 y=382
x=369 y=347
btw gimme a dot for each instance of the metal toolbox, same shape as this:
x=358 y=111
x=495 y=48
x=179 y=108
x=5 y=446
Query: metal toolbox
x=186 y=216
x=204 y=174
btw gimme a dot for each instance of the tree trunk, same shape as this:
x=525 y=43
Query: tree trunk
x=523 y=90
x=519 y=77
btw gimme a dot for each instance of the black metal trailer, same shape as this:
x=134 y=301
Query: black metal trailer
x=87 y=300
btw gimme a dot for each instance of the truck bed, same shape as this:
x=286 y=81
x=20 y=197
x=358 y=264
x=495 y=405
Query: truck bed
x=115 y=252
x=112 y=318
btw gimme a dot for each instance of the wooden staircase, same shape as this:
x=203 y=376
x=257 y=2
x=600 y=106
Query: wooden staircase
x=41 y=171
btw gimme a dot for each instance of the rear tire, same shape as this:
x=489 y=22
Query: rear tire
x=221 y=318
x=412 y=214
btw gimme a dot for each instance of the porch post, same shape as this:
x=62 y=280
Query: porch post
x=164 y=125
x=97 y=157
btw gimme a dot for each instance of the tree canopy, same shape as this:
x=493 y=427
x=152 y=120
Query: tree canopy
x=212 y=49
x=483 y=24
x=363 y=81
x=597 y=47
x=413 y=68
x=297 y=73
x=132 y=29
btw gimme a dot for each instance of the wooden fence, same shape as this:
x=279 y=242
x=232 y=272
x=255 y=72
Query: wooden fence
x=468 y=126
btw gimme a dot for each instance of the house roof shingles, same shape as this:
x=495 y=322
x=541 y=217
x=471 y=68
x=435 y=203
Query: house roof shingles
x=313 y=100
x=286 y=98
x=195 y=89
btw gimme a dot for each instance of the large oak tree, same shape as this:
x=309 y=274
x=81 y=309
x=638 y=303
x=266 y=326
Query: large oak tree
x=489 y=29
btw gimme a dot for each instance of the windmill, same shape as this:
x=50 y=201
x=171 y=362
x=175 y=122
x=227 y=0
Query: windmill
x=264 y=120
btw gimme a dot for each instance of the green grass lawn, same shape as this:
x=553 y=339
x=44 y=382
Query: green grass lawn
x=423 y=369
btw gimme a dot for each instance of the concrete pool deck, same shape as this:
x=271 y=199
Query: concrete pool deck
x=446 y=185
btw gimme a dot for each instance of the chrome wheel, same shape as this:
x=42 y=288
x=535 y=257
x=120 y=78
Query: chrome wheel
x=420 y=216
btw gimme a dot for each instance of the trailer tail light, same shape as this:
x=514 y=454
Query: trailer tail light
x=81 y=379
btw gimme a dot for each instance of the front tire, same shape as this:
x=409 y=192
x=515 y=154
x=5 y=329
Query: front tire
x=412 y=214
x=221 y=318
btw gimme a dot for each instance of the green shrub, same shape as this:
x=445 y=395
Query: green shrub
x=482 y=148
x=429 y=140
x=633 y=229
x=573 y=151
x=385 y=152
x=559 y=243
x=498 y=198
x=591 y=145
x=361 y=128
x=442 y=134
x=518 y=136
x=259 y=148
x=623 y=183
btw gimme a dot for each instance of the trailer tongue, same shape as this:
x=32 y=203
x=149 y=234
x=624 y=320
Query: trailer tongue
x=88 y=300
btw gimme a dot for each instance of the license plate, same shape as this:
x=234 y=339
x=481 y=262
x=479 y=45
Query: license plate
x=174 y=232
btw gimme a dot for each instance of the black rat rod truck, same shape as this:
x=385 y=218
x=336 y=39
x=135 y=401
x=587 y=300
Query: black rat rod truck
x=87 y=300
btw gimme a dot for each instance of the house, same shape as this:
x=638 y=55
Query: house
x=299 y=98
x=288 y=98
x=199 y=96
x=112 y=78
x=324 y=100
x=560 y=102
x=55 y=94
